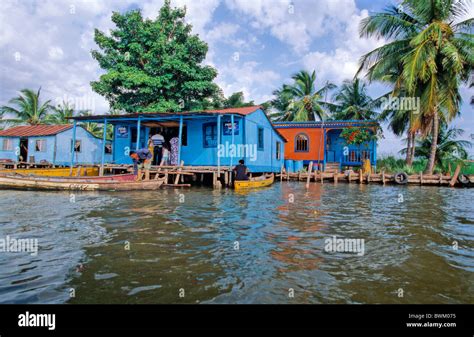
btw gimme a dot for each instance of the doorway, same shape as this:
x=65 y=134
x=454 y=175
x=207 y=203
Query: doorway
x=23 y=150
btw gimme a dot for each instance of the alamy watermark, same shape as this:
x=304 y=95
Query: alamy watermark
x=344 y=245
x=401 y=103
x=229 y=150
x=12 y=245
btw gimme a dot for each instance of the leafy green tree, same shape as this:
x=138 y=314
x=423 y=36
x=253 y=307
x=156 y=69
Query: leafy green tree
x=237 y=100
x=27 y=108
x=432 y=53
x=60 y=114
x=153 y=65
x=300 y=101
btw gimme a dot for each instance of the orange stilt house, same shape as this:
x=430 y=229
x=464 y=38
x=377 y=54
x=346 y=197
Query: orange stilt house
x=322 y=143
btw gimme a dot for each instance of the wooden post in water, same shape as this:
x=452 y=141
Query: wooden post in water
x=455 y=176
x=421 y=178
x=383 y=177
x=335 y=176
x=349 y=176
x=176 y=180
x=310 y=169
x=281 y=173
x=361 y=177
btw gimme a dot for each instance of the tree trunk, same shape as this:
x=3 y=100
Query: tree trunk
x=434 y=144
x=412 y=149
x=409 y=145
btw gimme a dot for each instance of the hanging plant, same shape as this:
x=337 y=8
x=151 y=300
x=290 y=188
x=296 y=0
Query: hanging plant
x=357 y=136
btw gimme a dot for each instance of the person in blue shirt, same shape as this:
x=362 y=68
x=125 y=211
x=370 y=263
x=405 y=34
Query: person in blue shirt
x=141 y=159
x=241 y=171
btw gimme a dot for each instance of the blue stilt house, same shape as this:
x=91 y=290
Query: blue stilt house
x=52 y=144
x=206 y=138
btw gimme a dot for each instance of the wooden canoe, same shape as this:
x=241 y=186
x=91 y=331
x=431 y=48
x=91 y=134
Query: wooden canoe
x=254 y=182
x=86 y=179
x=55 y=172
x=25 y=183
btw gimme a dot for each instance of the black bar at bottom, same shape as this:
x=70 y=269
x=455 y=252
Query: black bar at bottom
x=447 y=320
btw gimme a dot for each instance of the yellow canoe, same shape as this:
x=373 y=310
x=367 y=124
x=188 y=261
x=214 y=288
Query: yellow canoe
x=255 y=182
x=55 y=172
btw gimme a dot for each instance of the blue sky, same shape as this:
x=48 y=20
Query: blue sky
x=256 y=45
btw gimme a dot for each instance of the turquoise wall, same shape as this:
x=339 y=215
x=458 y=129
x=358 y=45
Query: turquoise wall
x=195 y=154
x=58 y=148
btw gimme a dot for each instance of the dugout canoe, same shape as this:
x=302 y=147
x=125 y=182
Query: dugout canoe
x=55 y=172
x=257 y=182
x=41 y=183
x=86 y=179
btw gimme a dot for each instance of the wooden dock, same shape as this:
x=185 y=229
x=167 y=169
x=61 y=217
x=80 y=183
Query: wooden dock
x=312 y=176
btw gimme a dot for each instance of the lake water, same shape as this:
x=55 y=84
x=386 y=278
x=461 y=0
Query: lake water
x=200 y=245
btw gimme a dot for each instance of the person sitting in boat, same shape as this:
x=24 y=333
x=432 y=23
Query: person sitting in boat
x=141 y=159
x=241 y=171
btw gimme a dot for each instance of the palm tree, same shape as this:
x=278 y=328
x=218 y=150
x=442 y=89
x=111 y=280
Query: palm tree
x=301 y=101
x=61 y=114
x=434 y=53
x=351 y=101
x=448 y=146
x=28 y=109
x=92 y=127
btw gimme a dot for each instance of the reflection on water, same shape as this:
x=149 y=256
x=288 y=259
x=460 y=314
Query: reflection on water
x=250 y=247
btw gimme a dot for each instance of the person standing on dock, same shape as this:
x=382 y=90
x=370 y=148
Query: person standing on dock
x=174 y=142
x=241 y=171
x=158 y=141
x=141 y=158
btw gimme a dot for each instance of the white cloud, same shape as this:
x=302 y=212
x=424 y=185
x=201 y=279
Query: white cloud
x=296 y=23
x=342 y=62
x=248 y=77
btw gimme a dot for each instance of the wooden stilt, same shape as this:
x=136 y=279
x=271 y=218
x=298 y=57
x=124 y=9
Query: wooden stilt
x=421 y=178
x=308 y=178
x=361 y=177
x=455 y=176
x=335 y=177
x=178 y=175
x=383 y=177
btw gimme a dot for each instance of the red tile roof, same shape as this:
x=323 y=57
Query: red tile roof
x=241 y=111
x=238 y=111
x=34 y=130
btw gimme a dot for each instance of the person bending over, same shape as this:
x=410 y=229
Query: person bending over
x=141 y=159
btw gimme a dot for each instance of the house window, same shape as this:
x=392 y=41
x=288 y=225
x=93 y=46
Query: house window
x=210 y=134
x=301 y=143
x=7 y=145
x=108 y=148
x=40 y=145
x=78 y=146
x=260 y=139
x=278 y=150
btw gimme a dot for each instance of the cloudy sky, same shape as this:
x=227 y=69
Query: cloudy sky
x=256 y=45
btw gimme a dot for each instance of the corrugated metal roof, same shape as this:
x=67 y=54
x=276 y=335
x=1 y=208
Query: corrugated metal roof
x=34 y=130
